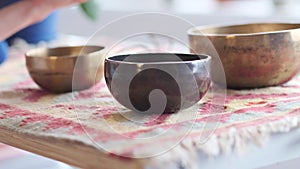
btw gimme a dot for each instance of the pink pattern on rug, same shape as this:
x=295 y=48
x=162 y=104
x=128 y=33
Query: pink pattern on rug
x=104 y=112
x=91 y=92
x=24 y=84
x=34 y=95
x=265 y=109
x=153 y=121
x=52 y=123
x=262 y=96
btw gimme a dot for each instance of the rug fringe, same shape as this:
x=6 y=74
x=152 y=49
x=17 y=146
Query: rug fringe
x=186 y=154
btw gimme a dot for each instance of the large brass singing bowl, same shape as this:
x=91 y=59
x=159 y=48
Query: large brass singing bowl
x=253 y=55
x=53 y=69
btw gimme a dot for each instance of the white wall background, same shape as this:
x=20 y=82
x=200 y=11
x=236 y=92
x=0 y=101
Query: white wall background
x=199 y=12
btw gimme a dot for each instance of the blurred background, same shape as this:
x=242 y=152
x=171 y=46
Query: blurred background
x=198 y=12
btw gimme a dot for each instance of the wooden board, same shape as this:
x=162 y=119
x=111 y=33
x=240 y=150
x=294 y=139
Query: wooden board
x=68 y=151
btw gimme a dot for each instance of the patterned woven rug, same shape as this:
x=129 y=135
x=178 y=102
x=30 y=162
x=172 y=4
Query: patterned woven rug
x=93 y=117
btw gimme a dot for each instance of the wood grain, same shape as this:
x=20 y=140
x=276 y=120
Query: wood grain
x=68 y=151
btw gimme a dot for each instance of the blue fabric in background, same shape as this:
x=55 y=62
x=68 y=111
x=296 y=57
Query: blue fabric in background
x=4 y=3
x=3 y=51
x=42 y=31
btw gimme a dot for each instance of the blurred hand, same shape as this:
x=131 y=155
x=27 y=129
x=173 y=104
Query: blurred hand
x=26 y=12
x=53 y=4
x=45 y=7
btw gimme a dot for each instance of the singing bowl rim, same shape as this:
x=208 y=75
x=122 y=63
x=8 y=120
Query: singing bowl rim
x=35 y=53
x=201 y=58
x=200 y=30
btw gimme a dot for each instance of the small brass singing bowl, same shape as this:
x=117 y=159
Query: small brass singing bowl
x=54 y=69
x=253 y=55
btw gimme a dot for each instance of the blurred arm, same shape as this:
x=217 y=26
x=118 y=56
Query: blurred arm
x=26 y=12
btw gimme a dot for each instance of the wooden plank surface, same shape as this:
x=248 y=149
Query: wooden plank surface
x=68 y=151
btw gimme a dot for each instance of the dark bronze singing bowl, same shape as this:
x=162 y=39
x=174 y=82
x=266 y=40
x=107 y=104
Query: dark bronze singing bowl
x=183 y=79
x=253 y=55
x=53 y=68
